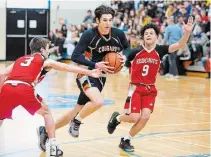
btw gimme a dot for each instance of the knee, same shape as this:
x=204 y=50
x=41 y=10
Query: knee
x=98 y=103
x=145 y=116
x=134 y=118
x=44 y=110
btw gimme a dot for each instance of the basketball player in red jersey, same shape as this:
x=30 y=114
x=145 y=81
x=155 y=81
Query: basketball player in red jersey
x=21 y=78
x=142 y=93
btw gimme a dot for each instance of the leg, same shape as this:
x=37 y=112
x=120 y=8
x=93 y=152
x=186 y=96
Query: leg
x=133 y=117
x=146 y=105
x=49 y=121
x=204 y=62
x=34 y=104
x=140 y=124
x=132 y=110
x=90 y=96
x=147 y=102
x=88 y=109
x=50 y=126
x=91 y=90
x=97 y=102
x=66 y=118
x=172 y=64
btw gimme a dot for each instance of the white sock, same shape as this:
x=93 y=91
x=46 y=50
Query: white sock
x=52 y=141
x=78 y=117
x=118 y=118
x=129 y=137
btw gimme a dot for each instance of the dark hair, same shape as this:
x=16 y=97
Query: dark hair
x=37 y=43
x=99 y=11
x=148 y=26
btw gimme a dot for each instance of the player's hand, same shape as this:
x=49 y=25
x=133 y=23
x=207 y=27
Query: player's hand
x=189 y=26
x=104 y=67
x=122 y=58
x=96 y=73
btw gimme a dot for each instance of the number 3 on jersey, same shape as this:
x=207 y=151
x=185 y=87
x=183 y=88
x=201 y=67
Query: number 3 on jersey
x=145 y=70
x=28 y=61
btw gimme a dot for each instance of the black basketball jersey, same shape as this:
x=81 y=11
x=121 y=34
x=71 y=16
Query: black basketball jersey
x=99 y=45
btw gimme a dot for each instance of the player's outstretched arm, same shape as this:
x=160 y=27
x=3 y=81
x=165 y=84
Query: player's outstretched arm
x=71 y=68
x=187 y=31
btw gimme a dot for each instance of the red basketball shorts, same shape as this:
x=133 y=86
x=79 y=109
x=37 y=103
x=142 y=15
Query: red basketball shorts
x=139 y=97
x=21 y=94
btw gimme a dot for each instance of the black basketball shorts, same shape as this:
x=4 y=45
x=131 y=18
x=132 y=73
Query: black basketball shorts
x=85 y=82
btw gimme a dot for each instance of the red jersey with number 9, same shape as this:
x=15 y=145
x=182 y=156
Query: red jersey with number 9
x=27 y=68
x=145 y=67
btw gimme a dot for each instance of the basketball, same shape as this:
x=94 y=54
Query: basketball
x=114 y=61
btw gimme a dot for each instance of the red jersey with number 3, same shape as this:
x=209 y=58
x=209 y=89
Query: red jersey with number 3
x=145 y=64
x=27 y=68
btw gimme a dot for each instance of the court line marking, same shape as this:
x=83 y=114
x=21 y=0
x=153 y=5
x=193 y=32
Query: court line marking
x=97 y=139
x=196 y=135
x=164 y=146
x=184 y=142
x=176 y=108
x=127 y=129
x=96 y=150
x=137 y=150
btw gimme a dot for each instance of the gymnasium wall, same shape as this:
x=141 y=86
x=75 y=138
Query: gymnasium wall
x=3 y=30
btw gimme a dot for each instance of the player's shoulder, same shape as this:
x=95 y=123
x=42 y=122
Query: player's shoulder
x=89 y=32
x=117 y=31
x=161 y=47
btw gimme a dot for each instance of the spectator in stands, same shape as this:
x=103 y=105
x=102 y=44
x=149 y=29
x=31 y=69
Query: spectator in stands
x=173 y=34
x=206 y=61
x=52 y=38
x=204 y=17
x=188 y=7
x=207 y=27
x=70 y=43
x=80 y=29
x=151 y=10
x=89 y=18
x=145 y=19
x=199 y=40
x=64 y=30
x=198 y=23
x=169 y=11
x=184 y=13
x=52 y=48
x=114 y=5
x=60 y=43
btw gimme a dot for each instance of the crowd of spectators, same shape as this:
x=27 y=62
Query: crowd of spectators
x=131 y=16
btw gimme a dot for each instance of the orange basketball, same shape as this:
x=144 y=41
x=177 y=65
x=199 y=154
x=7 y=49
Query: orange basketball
x=114 y=61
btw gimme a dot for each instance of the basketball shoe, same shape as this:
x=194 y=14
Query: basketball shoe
x=112 y=124
x=42 y=138
x=74 y=128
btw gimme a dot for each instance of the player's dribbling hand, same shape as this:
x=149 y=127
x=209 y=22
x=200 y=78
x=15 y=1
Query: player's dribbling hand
x=122 y=58
x=104 y=67
x=96 y=73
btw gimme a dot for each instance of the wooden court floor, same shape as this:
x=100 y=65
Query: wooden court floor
x=179 y=125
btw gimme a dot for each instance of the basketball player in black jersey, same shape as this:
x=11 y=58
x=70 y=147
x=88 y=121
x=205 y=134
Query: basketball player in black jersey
x=98 y=42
